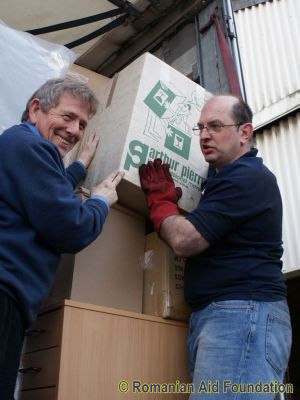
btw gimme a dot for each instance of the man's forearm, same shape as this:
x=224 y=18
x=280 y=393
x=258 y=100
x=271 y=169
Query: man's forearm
x=182 y=236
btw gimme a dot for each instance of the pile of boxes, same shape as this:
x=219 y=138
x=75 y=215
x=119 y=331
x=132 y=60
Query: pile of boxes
x=147 y=111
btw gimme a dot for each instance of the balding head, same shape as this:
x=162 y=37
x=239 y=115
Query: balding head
x=239 y=110
x=225 y=129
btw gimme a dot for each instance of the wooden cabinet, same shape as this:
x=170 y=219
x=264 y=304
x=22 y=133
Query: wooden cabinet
x=80 y=351
x=46 y=332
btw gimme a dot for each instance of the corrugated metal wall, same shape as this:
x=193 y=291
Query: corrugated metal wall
x=279 y=146
x=269 y=41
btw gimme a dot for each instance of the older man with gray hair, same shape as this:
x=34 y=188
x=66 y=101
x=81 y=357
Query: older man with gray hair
x=40 y=216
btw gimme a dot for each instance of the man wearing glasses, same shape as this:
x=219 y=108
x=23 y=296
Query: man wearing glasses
x=240 y=333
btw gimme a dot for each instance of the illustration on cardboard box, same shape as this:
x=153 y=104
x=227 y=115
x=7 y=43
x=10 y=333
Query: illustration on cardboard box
x=169 y=123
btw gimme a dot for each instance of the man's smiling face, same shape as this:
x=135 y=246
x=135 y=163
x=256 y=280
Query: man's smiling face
x=62 y=125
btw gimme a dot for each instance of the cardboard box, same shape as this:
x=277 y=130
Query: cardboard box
x=101 y=86
x=109 y=272
x=150 y=113
x=163 y=281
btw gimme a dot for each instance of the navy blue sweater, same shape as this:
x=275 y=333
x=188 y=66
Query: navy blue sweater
x=40 y=216
x=240 y=215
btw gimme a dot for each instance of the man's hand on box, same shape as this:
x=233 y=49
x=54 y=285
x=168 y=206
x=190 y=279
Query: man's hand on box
x=88 y=151
x=107 y=188
x=161 y=194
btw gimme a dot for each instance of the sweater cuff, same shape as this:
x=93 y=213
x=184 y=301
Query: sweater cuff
x=81 y=164
x=102 y=199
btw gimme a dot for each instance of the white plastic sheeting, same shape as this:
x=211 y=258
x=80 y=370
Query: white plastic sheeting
x=279 y=146
x=269 y=40
x=26 y=63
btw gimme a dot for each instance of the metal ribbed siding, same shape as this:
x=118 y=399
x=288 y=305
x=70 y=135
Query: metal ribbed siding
x=269 y=42
x=279 y=146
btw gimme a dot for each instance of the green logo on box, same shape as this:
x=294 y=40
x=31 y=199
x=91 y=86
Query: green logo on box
x=159 y=99
x=178 y=142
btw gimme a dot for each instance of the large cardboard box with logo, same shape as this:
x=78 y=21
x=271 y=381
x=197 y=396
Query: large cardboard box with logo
x=150 y=113
x=163 y=281
x=109 y=272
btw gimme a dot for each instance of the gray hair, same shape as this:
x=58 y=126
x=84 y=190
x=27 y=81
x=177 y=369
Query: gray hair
x=50 y=92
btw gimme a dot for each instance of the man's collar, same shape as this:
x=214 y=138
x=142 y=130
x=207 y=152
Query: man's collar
x=33 y=129
x=251 y=153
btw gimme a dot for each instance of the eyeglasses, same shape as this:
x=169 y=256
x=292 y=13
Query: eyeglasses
x=213 y=127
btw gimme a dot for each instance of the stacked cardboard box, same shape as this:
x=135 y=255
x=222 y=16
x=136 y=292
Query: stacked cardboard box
x=150 y=113
x=109 y=272
x=101 y=86
x=163 y=281
x=147 y=111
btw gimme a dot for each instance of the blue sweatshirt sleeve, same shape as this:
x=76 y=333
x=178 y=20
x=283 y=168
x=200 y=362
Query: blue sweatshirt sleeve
x=76 y=172
x=103 y=199
x=45 y=198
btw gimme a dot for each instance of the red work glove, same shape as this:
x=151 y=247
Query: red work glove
x=161 y=194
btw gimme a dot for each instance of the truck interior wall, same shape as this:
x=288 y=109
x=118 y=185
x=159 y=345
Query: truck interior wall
x=180 y=50
x=211 y=67
x=198 y=55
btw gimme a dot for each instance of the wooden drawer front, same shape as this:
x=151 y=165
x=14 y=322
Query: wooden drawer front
x=45 y=332
x=38 y=394
x=40 y=368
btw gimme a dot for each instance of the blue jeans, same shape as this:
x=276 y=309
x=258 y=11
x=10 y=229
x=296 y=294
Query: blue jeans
x=235 y=343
